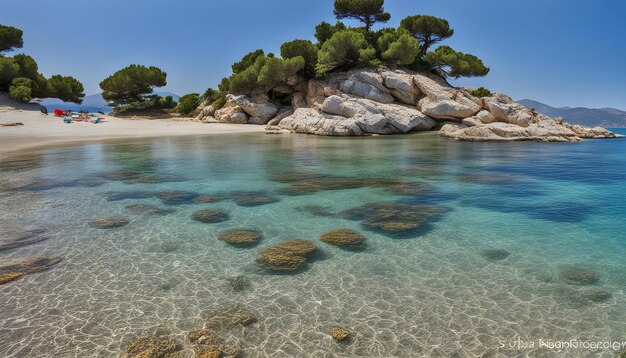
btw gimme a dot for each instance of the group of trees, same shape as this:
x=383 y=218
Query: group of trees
x=340 y=47
x=19 y=75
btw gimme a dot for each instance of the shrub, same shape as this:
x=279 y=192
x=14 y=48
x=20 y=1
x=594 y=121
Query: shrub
x=246 y=80
x=324 y=31
x=219 y=102
x=276 y=70
x=398 y=47
x=21 y=89
x=449 y=63
x=302 y=48
x=188 y=103
x=345 y=49
x=210 y=95
x=247 y=61
x=167 y=102
x=9 y=69
x=481 y=92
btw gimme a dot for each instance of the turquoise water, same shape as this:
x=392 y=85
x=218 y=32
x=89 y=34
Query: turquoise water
x=433 y=291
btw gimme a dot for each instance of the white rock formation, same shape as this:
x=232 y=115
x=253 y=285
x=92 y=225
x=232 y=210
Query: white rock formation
x=384 y=101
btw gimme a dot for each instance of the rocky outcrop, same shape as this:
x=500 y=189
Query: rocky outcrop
x=386 y=101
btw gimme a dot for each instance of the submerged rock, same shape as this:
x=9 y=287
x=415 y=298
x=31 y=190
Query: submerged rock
x=210 y=216
x=391 y=217
x=150 y=347
x=241 y=237
x=287 y=256
x=125 y=195
x=344 y=237
x=238 y=283
x=243 y=318
x=204 y=336
x=33 y=265
x=340 y=334
x=495 y=254
x=252 y=198
x=90 y=182
x=111 y=222
x=308 y=183
x=9 y=276
x=146 y=209
x=597 y=295
x=579 y=276
x=207 y=199
x=121 y=175
x=231 y=317
x=25 y=239
x=175 y=197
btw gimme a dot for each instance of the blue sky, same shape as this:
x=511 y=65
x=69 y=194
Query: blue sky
x=560 y=52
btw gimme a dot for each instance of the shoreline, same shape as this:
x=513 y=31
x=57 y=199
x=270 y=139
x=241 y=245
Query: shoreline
x=40 y=131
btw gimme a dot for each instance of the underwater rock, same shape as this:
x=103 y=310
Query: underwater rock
x=34 y=265
x=210 y=216
x=121 y=175
x=318 y=210
x=597 y=295
x=205 y=337
x=27 y=238
x=150 y=347
x=206 y=199
x=175 y=197
x=124 y=195
x=579 y=276
x=308 y=183
x=90 y=182
x=9 y=276
x=495 y=254
x=340 y=334
x=146 y=209
x=111 y=222
x=240 y=237
x=344 y=237
x=243 y=318
x=231 y=317
x=252 y=198
x=287 y=256
x=208 y=352
x=392 y=217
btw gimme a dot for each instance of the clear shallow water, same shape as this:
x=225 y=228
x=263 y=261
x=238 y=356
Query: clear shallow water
x=429 y=293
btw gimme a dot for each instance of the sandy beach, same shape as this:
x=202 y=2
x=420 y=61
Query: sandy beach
x=41 y=130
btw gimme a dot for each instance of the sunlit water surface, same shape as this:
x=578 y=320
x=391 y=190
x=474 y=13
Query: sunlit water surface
x=431 y=292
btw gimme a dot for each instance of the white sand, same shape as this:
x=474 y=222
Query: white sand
x=41 y=130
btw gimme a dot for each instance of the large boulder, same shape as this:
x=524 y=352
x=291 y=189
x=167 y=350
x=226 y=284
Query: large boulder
x=432 y=88
x=367 y=85
x=378 y=118
x=260 y=109
x=504 y=109
x=231 y=115
x=446 y=109
x=400 y=85
x=312 y=121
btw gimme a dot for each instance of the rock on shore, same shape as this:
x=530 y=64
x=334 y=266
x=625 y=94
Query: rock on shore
x=385 y=101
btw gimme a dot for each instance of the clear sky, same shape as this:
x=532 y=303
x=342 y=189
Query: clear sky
x=560 y=52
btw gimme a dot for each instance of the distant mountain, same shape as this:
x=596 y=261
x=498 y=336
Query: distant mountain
x=603 y=117
x=91 y=103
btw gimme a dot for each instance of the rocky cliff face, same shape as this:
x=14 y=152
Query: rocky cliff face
x=385 y=101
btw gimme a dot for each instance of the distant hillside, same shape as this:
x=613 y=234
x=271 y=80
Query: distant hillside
x=603 y=117
x=91 y=103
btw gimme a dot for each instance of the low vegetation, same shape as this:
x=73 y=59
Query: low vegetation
x=20 y=77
